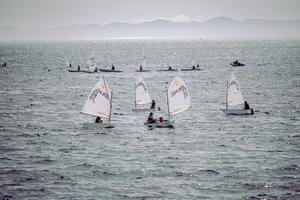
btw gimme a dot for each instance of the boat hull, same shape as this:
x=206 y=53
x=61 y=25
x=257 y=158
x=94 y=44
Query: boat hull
x=164 y=124
x=84 y=71
x=237 y=65
x=165 y=70
x=190 y=69
x=73 y=70
x=98 y=125
x=108 y=70
x=142 y=70
x=238 y=112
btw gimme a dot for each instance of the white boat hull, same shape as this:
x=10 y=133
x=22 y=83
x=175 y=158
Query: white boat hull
x=98 y=125
x=238 y=112
x=164 y=124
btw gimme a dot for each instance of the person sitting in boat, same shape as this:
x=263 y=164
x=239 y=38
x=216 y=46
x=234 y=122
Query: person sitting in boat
x=236 y=62
x=112 y=68
x=198 y=66
x=193 y=67
x=70 y=65
x=246 y=106
x=150 y=118
x=78 y=68
x=98 y=120
x=141 y=68
x=153 y=105
x=170 y=68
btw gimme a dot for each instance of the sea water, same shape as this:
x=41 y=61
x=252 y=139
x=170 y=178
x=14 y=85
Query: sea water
x=46 y=153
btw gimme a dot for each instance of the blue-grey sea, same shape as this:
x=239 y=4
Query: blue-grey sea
x=45 y=153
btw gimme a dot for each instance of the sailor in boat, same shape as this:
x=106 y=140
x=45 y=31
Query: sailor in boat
x=98 y=120
x=152 y=105
x=70 y=65
x=236 y=62
x=112 y=68
x=78 y=68
x=141 y=68
x=151 y=119
x=198 y=66
x=170 y=68
x=193 y=67
x=246 y=106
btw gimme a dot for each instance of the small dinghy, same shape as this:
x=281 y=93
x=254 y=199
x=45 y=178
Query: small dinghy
x=143 y=70
x=109 y=70
x=166 y=70
x=141 y=94
x=191 y=69
x=234 y=99
x=74 y=70
x=193 y=65
x=91 y=68
x=99 y=104
x=178 y=100
x=143 y=65
x=237 y=64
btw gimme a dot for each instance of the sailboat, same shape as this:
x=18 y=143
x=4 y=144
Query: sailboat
x=106 y=63
x=91 y=66
x=234 y=99
x=193 y=65
x=141 y=94
x=99 y=104
x=178 y=100
x=143 y=65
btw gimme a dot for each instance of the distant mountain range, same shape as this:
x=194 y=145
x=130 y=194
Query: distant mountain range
x=214 y=28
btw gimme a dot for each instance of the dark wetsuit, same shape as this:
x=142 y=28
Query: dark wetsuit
x=152 y=105
x=246 y=106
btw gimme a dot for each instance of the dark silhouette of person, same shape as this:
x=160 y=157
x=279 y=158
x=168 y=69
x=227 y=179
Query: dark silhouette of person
x=170 y=68
x=98 y=120
x=112 y=67
x=78 y=68
x=198 y=66
x=152 y=104
x=246 y=106
x=151 y=119
x=141 y=68
x=193 y=67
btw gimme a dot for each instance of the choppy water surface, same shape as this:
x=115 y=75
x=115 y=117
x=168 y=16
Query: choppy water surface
x=46 y=154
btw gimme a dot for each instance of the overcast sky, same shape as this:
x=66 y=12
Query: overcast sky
x=41 y=14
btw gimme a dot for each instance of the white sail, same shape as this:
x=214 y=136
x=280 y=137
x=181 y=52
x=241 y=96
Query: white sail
x=92 y=65
x=178 y=97
x=98 y=102
x=234 y=94
x=141 y=92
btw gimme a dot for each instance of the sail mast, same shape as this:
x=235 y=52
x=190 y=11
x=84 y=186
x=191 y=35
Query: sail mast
x=168 y=103
x=109 y=100
x=134 y=94
x=226 y=95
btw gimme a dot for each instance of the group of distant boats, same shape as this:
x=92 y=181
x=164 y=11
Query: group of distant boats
x=91 y=68
x=99 y=102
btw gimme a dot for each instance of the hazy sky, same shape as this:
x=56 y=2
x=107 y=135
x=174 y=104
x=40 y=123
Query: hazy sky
x=30 y=14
